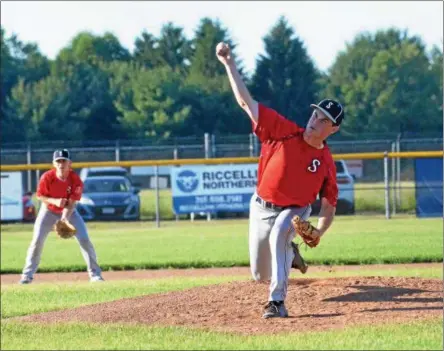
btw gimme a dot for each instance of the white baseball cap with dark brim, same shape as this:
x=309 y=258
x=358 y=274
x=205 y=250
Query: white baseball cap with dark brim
x=332 y=109
x=61 y=155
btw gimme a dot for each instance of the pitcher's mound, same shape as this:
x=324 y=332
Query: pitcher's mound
x=313 y=304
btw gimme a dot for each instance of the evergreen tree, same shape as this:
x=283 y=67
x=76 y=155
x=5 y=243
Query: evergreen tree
x=285 y=76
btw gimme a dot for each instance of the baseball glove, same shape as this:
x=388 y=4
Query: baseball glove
x=64 y=229
x=308 y=233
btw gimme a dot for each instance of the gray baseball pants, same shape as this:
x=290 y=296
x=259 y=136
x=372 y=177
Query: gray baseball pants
x=270 y=237
x=43 y=225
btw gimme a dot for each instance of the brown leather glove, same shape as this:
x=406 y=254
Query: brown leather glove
x=64 y=229
x=309 y=234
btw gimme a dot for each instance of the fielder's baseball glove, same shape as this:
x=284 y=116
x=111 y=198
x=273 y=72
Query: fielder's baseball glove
x=64 y=229
x=308 y=233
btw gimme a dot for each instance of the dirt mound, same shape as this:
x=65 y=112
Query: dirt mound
x=313 y=304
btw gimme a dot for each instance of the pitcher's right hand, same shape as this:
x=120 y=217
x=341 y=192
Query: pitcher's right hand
x=223 y=53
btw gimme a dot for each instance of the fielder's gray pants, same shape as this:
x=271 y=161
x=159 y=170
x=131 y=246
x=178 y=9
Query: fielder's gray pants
x=270 y=237
x=43 y=225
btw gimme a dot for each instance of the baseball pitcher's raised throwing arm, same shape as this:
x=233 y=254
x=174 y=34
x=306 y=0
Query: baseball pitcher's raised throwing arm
x=240 y=90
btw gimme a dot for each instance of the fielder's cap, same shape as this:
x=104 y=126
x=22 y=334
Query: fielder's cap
x=332 y=109
x=61 y=155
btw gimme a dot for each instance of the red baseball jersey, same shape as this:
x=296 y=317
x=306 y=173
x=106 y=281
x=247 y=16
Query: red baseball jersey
x=291 y=172
x=51 y=186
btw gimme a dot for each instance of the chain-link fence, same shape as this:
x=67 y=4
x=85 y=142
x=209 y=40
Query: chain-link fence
x=369 y=190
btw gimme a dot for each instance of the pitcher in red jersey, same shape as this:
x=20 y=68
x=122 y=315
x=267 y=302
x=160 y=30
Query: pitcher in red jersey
x=295 y=165
x=59 y=189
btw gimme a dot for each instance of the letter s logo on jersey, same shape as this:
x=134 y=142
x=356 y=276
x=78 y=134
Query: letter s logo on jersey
x=314 y=165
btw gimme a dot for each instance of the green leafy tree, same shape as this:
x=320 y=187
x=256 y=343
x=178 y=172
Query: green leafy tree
x=92 y=102
x=285 y=76
x=395 y=79
x=29 y=63
x=20 y=62
x=215 y=113
x=83 y=66
x=8 y=66
x=205 y=70
x=87 y=47
x=207 y=89
x=42 y=109
x=77 y=106
x=148 y=101
x=10 y=127
x=436 y=70
x=173 y=47
x=146 y=51
x=385 y=83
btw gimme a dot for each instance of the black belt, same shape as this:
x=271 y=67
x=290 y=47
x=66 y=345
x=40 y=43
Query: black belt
x=271 y=205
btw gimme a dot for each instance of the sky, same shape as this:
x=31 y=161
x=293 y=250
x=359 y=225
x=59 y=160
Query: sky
x=325 y=27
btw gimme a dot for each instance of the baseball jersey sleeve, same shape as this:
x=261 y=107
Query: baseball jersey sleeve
x=43 y=187
x=272 y=126
x=77 y=187
x=330 y=187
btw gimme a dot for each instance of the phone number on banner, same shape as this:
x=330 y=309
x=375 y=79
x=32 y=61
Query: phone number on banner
x=212 y=203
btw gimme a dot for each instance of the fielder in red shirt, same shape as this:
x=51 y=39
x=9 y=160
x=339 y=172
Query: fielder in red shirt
x=295 y=165
x=59 y=189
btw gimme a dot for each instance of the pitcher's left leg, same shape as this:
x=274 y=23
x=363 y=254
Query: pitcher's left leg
x=86 y=246
x=260 y=224
x=281 y=237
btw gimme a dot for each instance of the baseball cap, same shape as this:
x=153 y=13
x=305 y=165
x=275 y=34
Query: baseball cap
x=61 y=155
x=332 y=109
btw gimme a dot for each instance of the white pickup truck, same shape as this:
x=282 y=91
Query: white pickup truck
x=346 y=187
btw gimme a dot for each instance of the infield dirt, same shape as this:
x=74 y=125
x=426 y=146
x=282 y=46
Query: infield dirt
x=313 y=305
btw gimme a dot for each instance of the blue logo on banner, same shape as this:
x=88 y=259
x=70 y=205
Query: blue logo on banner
x=187 y=181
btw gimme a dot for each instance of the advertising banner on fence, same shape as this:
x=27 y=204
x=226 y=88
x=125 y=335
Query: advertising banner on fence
x=11 y=196
x=213 y=188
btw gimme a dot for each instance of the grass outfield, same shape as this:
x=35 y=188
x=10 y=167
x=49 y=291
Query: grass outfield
x=371 y=197
x=23 y=300
x=224 y=243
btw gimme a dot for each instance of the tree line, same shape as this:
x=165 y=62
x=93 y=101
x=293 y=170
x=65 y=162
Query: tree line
x=172 y=86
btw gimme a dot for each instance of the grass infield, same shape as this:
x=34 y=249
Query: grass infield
x=224 y=243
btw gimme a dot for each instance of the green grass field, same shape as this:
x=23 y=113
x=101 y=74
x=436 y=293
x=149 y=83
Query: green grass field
x=135 y=245
x=224 y=243
x=411 y=336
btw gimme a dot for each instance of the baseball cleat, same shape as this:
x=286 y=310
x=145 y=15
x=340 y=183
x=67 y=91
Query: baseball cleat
x=298 y=261
x=96 y=278
x=275 y=309
x=25 y=280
